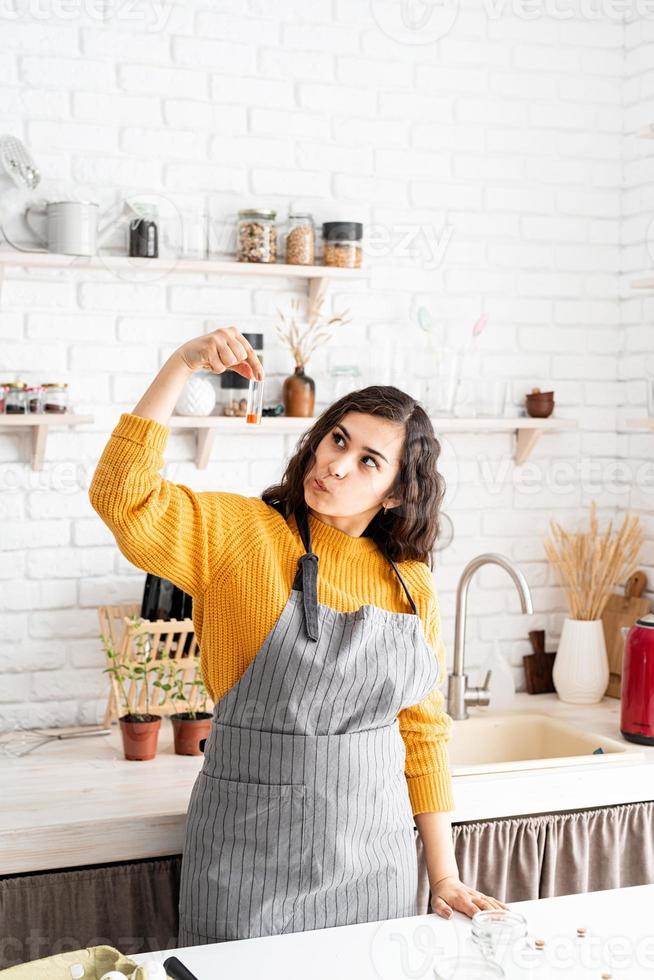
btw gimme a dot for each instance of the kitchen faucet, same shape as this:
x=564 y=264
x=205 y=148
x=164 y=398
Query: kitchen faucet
x=459 y=695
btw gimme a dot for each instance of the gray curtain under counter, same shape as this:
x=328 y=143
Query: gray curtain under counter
x=133 y=906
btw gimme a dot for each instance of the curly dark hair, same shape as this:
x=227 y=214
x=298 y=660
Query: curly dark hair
x=406 y=532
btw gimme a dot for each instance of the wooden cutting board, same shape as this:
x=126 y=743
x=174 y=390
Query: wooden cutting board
x=622 y=610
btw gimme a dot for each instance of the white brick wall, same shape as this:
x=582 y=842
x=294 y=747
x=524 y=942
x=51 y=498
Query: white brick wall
x=512 y=130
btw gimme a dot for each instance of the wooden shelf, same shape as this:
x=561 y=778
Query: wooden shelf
x=646 y=133
x=318 y=276
x=646 y=283
x=528 y=430
x=646 y=423
x=40 y=424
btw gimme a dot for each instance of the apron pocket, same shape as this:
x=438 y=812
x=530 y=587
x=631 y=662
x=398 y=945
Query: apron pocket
x=246 y=862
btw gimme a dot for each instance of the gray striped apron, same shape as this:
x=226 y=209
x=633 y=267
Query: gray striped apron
x=300 y=817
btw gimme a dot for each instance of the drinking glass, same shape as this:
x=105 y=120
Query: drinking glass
x=441 y=387
x=498 y=932
x=489 y=398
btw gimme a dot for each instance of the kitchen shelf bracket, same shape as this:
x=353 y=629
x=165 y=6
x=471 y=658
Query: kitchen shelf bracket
x=39 y=426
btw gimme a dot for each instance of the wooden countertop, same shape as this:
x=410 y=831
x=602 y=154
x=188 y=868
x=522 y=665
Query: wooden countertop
x=79 y=802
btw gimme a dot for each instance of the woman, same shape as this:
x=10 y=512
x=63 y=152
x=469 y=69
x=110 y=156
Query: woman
x=329 y=736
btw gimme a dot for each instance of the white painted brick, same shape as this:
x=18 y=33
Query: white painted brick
x=55 y=685
x=310 y=37
x=20 y=358
x=311 y=66
x=323 y=97
x=436 y=108
x=45 y=72
x=230 y=120
x=235 y=30
x=14 y=687
x=121 y=110
x=277 y=182
x=366 y=71
x=206 y=177
x=371 y=132
x=174 y=145
x=276 y=93
x=112 y=358
x=72 y=135
x=117 y=46
x=199 y=52
x=118 y=295
x=305 y=125
x=173 y=82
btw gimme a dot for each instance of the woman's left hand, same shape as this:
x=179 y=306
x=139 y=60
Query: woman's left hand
x=450 y=894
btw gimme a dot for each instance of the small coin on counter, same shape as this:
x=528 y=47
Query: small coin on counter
x=539 y=943
x=581 y=930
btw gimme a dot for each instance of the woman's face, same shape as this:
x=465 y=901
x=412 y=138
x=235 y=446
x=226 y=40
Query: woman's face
x=357 y=463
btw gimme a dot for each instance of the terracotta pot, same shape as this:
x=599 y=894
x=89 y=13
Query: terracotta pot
x=299 y=394
x=140 y=737
x=188 y=731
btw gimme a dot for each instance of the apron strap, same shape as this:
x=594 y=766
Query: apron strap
x=306 y=578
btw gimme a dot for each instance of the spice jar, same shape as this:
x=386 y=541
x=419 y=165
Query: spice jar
x=257 y=236
x=3 y=395
x=343 y=244
x=55 y=397
x=34 y=398
x=300 y=240
x=15 y=398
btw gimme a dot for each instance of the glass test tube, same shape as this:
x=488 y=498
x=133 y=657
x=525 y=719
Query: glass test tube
x=255 y=402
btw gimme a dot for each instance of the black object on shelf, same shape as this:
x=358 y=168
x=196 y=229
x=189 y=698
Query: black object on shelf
x=163 y=600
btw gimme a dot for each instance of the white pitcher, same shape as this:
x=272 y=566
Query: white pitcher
x=71 y=227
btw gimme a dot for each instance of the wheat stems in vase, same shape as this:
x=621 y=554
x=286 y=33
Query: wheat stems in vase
x=591 y=565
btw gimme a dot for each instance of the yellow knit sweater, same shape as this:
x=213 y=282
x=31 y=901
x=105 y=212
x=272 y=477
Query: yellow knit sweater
x=237 y=557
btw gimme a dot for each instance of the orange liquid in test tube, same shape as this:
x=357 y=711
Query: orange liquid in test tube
x=255 y=402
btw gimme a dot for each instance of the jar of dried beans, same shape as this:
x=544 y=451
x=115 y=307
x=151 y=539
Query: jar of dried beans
x=55 y=397
x=343 y=244
x=300 y=240
x=257 y=236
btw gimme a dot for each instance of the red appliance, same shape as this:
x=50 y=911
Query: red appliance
x=637 y=696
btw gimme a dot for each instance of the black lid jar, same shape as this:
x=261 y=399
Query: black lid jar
x=343 y=244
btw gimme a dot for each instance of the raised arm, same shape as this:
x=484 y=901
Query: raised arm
x=160 y=526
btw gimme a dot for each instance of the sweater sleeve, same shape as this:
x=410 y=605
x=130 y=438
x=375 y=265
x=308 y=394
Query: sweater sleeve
x=162 y=527
x=425 y=728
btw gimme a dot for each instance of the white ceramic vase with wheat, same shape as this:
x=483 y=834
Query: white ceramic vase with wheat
x=590 y=566
x=581 y=665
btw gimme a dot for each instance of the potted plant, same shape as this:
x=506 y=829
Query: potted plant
x=139 y=729
x=590 y=567
x=299 y=390
x=191 y=726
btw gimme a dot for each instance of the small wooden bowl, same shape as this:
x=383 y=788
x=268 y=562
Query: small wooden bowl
x=541 y=405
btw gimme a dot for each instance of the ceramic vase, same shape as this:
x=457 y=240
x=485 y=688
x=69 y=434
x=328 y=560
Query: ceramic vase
x=299 y=394
x=198 y=397
x=581 y=666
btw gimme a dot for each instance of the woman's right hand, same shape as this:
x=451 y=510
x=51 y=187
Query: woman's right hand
x=223 y=349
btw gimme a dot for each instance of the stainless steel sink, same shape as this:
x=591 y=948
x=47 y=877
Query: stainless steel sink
x=504 y=742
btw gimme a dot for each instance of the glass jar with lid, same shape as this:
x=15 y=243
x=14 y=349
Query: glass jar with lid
x=34 y=399
x=343 y=244
x=15 y=398
x=55 y=397
x=300 y=239
x=257 y=235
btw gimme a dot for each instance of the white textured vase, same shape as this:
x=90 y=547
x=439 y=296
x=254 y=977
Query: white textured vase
x=198 y=397
x=581 y=666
